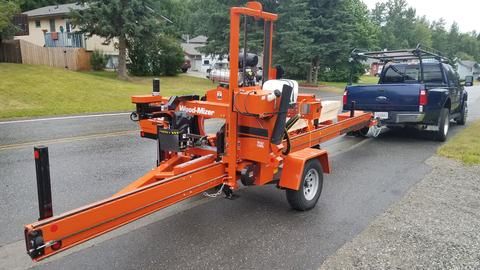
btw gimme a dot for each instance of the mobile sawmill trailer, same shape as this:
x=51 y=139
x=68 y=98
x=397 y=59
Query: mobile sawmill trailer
x=272 y=135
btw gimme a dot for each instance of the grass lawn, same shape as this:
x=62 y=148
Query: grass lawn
x=365 y=79
x=32 y=90
x=339 y=87
x=465 y=146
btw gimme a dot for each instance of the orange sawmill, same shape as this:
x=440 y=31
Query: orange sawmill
x=271 y=135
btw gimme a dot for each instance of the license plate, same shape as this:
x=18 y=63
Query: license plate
x=381 y=115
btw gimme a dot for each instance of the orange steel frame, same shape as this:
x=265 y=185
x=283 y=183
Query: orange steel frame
x=185 y=174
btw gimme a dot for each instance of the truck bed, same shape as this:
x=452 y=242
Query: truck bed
x=384 y=97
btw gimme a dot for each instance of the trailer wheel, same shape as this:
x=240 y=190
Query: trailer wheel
x=306 y=197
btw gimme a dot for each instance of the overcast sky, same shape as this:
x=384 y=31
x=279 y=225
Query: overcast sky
x=465 y=12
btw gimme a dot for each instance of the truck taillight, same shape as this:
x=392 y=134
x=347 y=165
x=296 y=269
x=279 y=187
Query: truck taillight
x=423 y=99
x=345 y=98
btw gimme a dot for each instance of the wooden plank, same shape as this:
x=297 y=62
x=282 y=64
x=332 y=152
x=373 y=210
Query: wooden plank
x=330 y=109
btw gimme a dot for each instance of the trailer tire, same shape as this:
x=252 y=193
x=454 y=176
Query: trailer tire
x=306 y=197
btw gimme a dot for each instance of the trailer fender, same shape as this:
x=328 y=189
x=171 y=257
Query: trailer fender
x=294 y=163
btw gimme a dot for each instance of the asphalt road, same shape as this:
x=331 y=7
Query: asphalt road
x=93 y=157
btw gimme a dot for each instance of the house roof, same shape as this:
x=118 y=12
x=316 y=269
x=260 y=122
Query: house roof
x=54 y=10
x=198 y=39
x=191 y=49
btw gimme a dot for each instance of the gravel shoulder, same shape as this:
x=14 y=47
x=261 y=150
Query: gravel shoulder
x=435 y=226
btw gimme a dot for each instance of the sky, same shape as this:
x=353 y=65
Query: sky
x=465 y=12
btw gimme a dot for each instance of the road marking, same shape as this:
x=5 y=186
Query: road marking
x=62 y=118
x=70 y=139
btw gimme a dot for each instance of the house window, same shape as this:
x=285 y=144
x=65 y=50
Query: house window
x=38 y=24
x=52 y=25
x=206 y=62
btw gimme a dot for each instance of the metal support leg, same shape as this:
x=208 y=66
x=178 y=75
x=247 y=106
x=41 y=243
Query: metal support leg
x=44 y=189
x=160 y=153
x=352 y=109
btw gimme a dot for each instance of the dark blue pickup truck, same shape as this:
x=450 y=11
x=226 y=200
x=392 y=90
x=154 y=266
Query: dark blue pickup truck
x=426 y=95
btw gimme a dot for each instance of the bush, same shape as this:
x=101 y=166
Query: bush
x=98 y=60
x=160 y=55
x=341 y=72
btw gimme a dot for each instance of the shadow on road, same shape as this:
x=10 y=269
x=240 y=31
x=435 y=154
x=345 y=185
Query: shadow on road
x=398 y=134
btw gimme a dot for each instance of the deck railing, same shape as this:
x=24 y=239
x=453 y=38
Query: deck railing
x=69 y=40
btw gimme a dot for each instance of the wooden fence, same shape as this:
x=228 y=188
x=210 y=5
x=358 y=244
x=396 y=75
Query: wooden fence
x=10 y=51
x=68 y=58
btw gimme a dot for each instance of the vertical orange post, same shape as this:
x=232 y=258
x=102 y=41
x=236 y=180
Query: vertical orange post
x=271 y=76
x=231 y=155
x=253 y=9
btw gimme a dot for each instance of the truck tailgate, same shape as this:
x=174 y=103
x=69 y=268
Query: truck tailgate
x=384 y=97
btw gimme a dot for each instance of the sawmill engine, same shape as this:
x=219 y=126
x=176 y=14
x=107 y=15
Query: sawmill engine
x=249 y=69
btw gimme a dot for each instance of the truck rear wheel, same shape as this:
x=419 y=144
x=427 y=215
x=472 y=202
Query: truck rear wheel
x=443 y=125
x=463 y=115
x=306 y=197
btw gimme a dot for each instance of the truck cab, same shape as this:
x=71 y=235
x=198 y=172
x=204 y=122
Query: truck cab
x=420 y=92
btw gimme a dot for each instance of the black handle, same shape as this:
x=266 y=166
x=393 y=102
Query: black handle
x=279 y=128
x=156 y=86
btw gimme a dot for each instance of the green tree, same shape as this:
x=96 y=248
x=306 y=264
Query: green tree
x=397 y=23
x=158 y=55
x=422 y=32
x=215 y=24
x=214 y=16
x=439 y=35
x=176 y=15
x=328 y=26
x=338 y=27
x=294 y=37
x=118 y=19
x=7 y=10
x=467 y=44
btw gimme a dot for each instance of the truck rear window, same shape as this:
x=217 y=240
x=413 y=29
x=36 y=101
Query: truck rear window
x=411 y=74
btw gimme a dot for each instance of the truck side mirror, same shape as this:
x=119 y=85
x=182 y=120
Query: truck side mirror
x=468 y=81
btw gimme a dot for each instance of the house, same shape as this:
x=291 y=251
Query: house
x=50 y=26
x=376 y=68
x=468 y=68
x=199 y=61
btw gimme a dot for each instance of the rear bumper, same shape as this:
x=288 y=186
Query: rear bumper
x=404 y=118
